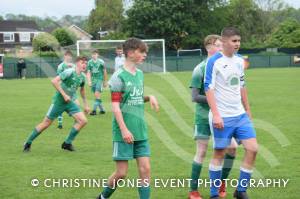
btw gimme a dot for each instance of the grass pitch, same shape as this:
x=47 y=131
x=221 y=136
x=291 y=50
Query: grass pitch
x=274 y=97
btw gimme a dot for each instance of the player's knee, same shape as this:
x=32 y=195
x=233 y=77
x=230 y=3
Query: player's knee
x=253 y=149
x=219 y=153
x=46 y=123
x=200 y=156
x=83 y=121
x=231 y=151
x=145 y=169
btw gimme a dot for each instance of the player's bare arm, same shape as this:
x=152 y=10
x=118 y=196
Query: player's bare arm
x=126 y=134
x=88 y=76
x=56 y=84
x=85 y=104
x=245 y=101
x=153 y=102
x=197 y=98
x=105 y=77
x=217 y=119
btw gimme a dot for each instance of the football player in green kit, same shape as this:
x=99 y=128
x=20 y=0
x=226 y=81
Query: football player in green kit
x=97 y=77
x=130 y=136
x=66 y=84
x=67 y=63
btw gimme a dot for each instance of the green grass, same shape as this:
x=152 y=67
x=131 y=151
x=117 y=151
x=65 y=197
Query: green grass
x=274 y=96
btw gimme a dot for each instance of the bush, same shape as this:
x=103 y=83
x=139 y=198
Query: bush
x=45 y=42
x=64 y=36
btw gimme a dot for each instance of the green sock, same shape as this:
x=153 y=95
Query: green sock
x=144 y=192
x=196 y=170
x=227 y=166
x=107 y=192
x=72 y=135
x=60 y=119
x=33 y=135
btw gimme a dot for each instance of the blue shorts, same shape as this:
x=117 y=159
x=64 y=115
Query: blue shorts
x=239 y=127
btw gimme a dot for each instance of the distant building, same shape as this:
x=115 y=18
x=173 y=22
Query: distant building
x=17 y=34
x=80 y=33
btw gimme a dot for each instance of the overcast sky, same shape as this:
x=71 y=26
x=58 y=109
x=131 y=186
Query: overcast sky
x=59 y=8
x=44 y=8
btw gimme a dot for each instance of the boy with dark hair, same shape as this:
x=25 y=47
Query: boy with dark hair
x=230 y=114
x=130 y=136
x=66 y=84
x=67 y=63
x=212 y=44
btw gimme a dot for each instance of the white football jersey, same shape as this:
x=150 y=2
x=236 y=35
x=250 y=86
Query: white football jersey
x=225 y=75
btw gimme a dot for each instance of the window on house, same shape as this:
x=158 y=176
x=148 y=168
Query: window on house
x=25 y=37
x=8 y=37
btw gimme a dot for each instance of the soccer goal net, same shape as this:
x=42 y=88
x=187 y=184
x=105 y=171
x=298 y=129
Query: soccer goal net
x=155 y=61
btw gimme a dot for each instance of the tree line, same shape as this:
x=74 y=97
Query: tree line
x=183 y=23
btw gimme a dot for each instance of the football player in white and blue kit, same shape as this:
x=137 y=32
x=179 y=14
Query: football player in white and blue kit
x=230 y=114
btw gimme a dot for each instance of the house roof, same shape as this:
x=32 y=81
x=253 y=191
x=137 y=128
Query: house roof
x=79 y=29
x=18 y=26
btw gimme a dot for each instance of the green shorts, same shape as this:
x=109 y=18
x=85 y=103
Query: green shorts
x=57 y=109
x=97 y=87
x=124 y=151
x=202 y=131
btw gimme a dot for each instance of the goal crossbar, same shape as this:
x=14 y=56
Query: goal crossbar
x=189 y=50
x=119 y=41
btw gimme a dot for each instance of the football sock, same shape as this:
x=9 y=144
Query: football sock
x=96 y=104
x=60 y=120
x=100 y=104
x=107 y=192
x=33 y=135
x=227 y=166
x=144 y=192
x=72 y=135
x=215 y=173
x=244 y=179
x=196 y=170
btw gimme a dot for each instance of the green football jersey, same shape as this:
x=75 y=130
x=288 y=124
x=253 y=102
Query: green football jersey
x=96 y=69
x=132 y=104
x=198 y=82
x=62 y=67
x=70 y=81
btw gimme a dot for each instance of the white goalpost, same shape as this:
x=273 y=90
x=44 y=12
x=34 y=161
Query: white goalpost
x=156 y=55
x=189 y=50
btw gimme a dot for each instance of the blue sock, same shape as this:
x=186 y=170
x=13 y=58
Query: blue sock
x=96 y=104
x=100 y=105
x=215 y=173
x=244 y=179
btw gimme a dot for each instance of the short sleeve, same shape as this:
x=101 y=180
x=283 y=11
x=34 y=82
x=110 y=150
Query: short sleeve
x=89 y=65
x=102 y=62
x=197 y=77
x=65 y=74
x=115 y=83
x=83 y=80
x=59 y=69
